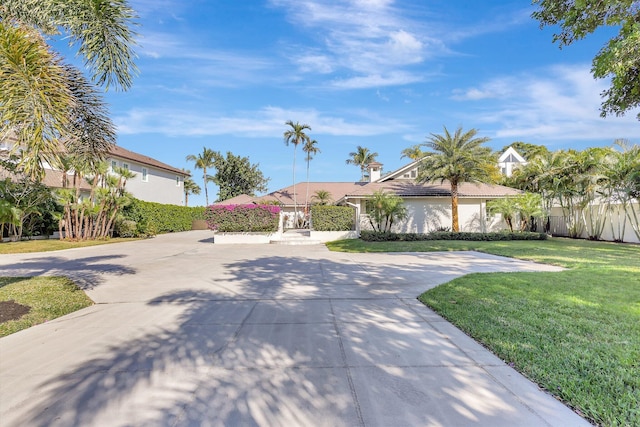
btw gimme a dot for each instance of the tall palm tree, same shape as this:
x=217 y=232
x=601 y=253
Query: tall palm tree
x=414 y=152
x=362 y=157
x=456 y=158
x=190 y=187
x=44 y=101
x=309 y=147
x=204 y=161
x=295 y=135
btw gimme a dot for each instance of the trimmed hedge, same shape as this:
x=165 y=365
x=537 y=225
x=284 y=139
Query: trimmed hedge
x=243 y=218
x=156 y=218
x=332 y=218
x=374 y=236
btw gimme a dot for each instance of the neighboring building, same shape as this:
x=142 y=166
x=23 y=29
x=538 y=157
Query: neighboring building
x=154 y=181
x=509 y=160
x=428 y=205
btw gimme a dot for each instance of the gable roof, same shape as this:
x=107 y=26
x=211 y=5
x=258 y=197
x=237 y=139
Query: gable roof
x=117 y=151
x=510 y=155
x=398 y=173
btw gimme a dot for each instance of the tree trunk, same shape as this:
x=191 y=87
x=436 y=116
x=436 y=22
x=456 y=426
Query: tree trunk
x=206 y=191
x=295 y=197
x=455 y=225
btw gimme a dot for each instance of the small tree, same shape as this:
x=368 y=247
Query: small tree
x=386 y=209
x=322 y=197
x=507 y=208
x=236 y=175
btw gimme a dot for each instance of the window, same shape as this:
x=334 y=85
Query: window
x=114 y=165
x=145 y=175
x=414 y=173
x=125 y=166
x=177 y=181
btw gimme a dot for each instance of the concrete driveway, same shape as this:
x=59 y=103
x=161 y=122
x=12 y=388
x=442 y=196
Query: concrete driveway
x=188 y=333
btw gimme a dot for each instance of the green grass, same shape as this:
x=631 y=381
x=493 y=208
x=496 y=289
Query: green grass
x=29 y=246
x=576 y=333
x=48 y=297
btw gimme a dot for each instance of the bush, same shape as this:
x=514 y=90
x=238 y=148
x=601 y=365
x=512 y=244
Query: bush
x=156 y=218
x=243 y=218
x=332 y=218
x=374 y=236
x=125 y=228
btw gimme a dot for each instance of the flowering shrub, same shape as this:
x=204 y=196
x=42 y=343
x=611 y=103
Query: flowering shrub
x=243 y=218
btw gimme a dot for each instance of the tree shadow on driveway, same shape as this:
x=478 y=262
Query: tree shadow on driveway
x=86 y=272
x=328 y=342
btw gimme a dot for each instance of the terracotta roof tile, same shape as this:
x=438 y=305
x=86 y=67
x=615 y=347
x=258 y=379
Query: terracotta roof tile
x=145 y=160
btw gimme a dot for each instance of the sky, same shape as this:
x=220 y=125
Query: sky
x=381 y=74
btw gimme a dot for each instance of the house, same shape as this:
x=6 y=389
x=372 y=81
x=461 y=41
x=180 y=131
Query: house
x=428 y=205
x=154 y=181
x=509 y=160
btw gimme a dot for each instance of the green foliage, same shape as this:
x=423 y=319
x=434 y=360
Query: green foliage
x=156 y=218
x=522 y=207
x=243 y=218
x=204 y=161
x=526 y=150
x=362 y=157
x=332 y=218
x=125 y=228
x=235 y=175
x=321 y=197
x=457 y=158
x=618 y=60
x=385 y=209
x=376 y=236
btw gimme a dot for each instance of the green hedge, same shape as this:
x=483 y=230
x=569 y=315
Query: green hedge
x=155 y=218
x=332 y=218
x=243 y=218
x=374 y=236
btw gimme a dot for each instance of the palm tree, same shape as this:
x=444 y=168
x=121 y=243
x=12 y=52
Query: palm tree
x=414 y=152
x=311 y=149
x=456 y=158
x=44 y=101
x=362 y=157
x=295 y=136
x=322 y=197
x=190 y=187
x=204 y=161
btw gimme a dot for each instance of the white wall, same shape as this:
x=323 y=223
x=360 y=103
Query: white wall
x=430 y=214
x=160 y=186
x=607 y=234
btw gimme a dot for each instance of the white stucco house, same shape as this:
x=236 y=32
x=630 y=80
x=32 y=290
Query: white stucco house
x=428 y=205
x=154 y=181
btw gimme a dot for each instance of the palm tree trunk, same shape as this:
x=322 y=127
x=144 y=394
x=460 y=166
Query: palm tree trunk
x=295 y=199
x=455 y=226
x=206 y=191
x=306 y=199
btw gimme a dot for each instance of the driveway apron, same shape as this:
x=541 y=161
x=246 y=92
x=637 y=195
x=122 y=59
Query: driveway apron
x=189 y=333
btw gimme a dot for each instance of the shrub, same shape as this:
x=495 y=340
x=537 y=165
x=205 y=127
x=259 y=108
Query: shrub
x=374 y=236
x=157 y=218
x=243 y=218
x=332 y=218
x=125 y=228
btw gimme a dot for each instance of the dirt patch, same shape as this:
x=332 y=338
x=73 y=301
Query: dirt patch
x=11 y=310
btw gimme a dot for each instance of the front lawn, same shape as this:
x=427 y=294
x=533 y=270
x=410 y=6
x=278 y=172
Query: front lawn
x=28 y=301
x=576 y=333
x=28 y=246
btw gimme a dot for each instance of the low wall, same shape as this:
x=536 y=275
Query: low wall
x=244 y=238
x=328 y=236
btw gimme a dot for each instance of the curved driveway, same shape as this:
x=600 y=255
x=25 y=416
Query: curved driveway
x=188 y=333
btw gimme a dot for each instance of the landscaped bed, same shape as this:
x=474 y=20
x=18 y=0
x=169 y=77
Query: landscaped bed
x=576 y=333
x=28 y=301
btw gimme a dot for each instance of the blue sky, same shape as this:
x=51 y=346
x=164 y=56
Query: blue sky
x=383 y=74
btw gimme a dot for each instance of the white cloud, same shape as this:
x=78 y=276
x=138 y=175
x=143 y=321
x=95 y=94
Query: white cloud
x=558 y=103
x=376 y=80
x=266 y=122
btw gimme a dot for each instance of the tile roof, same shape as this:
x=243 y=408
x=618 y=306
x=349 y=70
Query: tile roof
x=341 y=190
x=123 y=153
